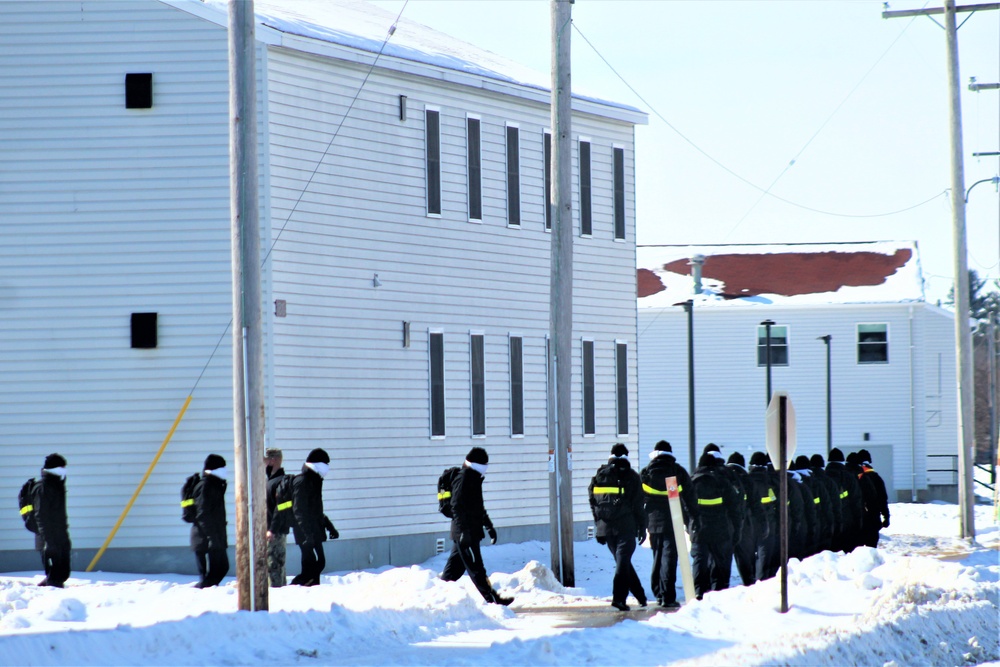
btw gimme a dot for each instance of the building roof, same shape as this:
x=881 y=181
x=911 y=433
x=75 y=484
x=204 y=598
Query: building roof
x=361 y=26
x=787 y=274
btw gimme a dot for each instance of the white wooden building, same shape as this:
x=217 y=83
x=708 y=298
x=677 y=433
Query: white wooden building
x=406 y=287
x=892 y=353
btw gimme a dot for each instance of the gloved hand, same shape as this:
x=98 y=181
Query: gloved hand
x=493 y=534
x=885 y=523
x=642 y=536
x=333 y=533
x=601 y=540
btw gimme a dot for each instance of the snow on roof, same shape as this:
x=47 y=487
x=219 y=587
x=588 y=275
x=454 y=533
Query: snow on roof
x=786 y=274
x=359 y=25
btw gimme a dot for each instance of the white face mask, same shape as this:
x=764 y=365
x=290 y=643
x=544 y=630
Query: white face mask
x=320 y=469
x=59 y=472
x=481 y=468
x=221 y=473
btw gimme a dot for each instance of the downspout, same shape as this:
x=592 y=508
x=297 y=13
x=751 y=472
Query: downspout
x=913 y=417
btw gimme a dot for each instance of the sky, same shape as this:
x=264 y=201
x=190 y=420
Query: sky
x=824 y=104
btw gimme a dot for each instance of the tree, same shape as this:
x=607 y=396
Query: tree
x=981 y=305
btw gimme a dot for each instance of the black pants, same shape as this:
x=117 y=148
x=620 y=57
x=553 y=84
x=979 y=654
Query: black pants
x=745 y=552
x=55 y=562
x=626 y=580
x=768 y=554
x=313 y=562
x=712 y=562
x=213 y=565
x=663 y=581
x=468 y=559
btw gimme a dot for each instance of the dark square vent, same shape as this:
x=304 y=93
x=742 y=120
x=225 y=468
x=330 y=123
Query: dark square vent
x=138 y=91
x=144 y=330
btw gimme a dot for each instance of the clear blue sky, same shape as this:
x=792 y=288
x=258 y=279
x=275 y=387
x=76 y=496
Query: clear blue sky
x=859 y=102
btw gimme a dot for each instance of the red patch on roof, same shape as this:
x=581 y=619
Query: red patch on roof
x=648 y=283
x=793 y=273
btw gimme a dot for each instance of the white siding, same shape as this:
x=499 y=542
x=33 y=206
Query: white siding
x=940 y=414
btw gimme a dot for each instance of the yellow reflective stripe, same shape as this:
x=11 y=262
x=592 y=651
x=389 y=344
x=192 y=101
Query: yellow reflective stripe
x=815 y=501
x=744 y=497
x=610 y=490
x=444 y=495
x=651 y=491
x=26 y=509
x=710 y=501
x=843 y=494
x=187 y=502
x=287 y=505
x=679 y=488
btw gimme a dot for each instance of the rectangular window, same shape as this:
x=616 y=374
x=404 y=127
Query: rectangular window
x=436 y=345
x=516 y=387
x=586 y=224
x=432 y=139
x=873 y=343
x=548 y=181
x=475 y=169
x=779 y=345
x=478 y=375
x=620 y=193
x=513 y=176
x=621 y=385
x=589 y=426
x=549 y=408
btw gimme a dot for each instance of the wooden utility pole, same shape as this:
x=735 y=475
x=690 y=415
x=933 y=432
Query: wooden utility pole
x=248 y=351
x=963 y=334
x=561 y=303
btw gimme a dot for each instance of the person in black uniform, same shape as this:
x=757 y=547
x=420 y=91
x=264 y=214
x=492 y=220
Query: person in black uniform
x=852 y=502
x=816 y=465
x=822 y=505
x=659 y=523
x=208 y=532
x=277 y=520
x=880 y=509
x=616 y=501
x=311 y=524
x=469 y=517
x=766 y=484
x=755 y=528
x=52 y=539
x=716 y=527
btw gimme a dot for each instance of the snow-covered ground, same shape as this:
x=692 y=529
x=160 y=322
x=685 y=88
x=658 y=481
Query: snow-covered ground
x=923 y=598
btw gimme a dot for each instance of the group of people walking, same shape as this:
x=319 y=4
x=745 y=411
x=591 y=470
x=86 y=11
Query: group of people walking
x=730 y=511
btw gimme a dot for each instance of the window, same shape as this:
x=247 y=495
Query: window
x=475 y=168
x=478 y=377
x=549 y=408
x=620 y=194
x=548 y=181
x=516 y=386
x=873 y=343
x=432 y=139
x=589 y=427
x=621 y=385
x=779 y=345
x=513 y=177
x=436 y=345
x=586 y=224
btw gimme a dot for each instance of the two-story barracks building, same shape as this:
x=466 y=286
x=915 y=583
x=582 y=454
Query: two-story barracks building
x=406 y=282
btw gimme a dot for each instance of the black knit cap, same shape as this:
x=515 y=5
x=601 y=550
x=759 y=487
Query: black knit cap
x=54 y=461
x=619 y=450
x=737 y=458
x=663 y=446
x=318 y=456
x=801 y=462
x=214 y=462
x=711 y=447
x=708 y=460
x=864 y=456
x=816 y=460
x=758 y=459
x=478 y=455
x=852 y=458
x=836 y=455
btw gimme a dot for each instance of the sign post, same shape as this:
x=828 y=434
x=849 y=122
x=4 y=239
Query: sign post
x=677 y=520
x=780 y=427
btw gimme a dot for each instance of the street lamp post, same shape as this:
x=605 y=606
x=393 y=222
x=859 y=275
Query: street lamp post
x=689 y=309
x=767 y=324
x=829 y=412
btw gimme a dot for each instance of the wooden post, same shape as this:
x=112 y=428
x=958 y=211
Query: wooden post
x=248 y=376
x=677 y=523
x=561 y=301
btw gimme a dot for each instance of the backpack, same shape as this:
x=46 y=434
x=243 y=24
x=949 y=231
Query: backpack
x=187 y=497
x=445 y=481
x=283 y=518
x=609 y=494
x=26 y=503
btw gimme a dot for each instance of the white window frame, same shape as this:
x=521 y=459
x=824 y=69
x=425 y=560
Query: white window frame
x=472 y=387
x=430 y=386
x=590 y=185
x=857 y=343
x=788 y=346
x=583 y=385
x=510 y=381
x=468 y=169
x=614 y=203
x=506 y=180
x=618 y=388
x=548 y=211
x=427 y=176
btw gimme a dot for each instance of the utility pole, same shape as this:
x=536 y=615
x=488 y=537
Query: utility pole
x=689 y=309
x=829 y=402
x=767 y=324
x=963 y=334
x=561 y=302
x=248 y=351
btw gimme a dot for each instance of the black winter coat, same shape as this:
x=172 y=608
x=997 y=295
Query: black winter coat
x=754 y=521
x=277 y=527
x=798 y=523
x=654 y=485
x=208 y=532
x=719 y=506
x=881 y=495
x=766 y=492
x=311 y=523
x=852 y=505
x=468 y=511
x=632 y=520
x=824 y=509
x=833 y=493
x=49 y=499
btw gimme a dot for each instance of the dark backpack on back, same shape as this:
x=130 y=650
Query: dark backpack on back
x=445 y=481
x=187 y=497
x=26 y=504
x=609 y=494
x=283 y=518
